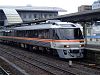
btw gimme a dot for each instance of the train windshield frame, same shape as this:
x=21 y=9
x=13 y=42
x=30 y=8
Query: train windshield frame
x=68 y=33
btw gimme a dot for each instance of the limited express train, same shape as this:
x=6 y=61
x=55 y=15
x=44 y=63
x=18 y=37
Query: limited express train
x=58 y=38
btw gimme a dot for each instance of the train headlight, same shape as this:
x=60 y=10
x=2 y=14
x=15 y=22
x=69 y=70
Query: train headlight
x=66 y=46
x=82 y=45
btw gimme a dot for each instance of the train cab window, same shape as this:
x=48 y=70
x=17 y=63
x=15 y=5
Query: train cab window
x=78 y=34
x=72 y=33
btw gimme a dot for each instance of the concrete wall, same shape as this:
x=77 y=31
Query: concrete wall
x=93 y=56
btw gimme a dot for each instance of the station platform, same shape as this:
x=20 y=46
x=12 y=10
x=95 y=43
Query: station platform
x=93 y=53
x=94 y=47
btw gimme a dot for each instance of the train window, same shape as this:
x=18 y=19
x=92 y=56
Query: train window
x=1 y=33
x=26 y=33
x=40 y=34
x=20 y=33
x=35 y=34
x=30 y=33
x=44 y=34
x=66 y=33
x=78 y=34
x=55 y=35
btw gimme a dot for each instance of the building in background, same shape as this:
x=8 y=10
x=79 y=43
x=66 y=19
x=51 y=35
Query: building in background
x=83 y=8
x=18 y=14
x=94 y=29
x=96 y=5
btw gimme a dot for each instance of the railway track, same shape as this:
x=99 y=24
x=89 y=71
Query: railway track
x=47 y=67
x=51 y=69
x=52 y=66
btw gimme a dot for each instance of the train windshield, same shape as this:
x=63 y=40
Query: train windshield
x=69 y=34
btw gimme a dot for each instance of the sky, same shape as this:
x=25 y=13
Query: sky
x=70 y=6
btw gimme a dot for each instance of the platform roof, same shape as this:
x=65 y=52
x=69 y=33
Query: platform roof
x=12 y=16
x=86 y=16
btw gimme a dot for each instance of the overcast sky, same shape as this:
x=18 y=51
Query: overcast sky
x=69 y=5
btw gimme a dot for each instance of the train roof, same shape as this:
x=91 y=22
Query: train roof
x=47 y=26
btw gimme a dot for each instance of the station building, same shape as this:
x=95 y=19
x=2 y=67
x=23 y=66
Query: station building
x=96 y=5
x=95 y=27
x=83 y=8
x=19 y=14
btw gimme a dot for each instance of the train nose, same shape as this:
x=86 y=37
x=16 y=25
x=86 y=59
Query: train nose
x=65 y=52
x=74 y=51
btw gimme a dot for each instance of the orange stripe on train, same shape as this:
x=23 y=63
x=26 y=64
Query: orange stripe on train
x=43 y=40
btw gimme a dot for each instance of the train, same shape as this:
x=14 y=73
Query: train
x=63 y=39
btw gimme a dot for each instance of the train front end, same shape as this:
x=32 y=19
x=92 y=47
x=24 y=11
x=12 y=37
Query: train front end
x=69 y=42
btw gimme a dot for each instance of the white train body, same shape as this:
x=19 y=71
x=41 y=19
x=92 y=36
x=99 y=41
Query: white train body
x=64 y=38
